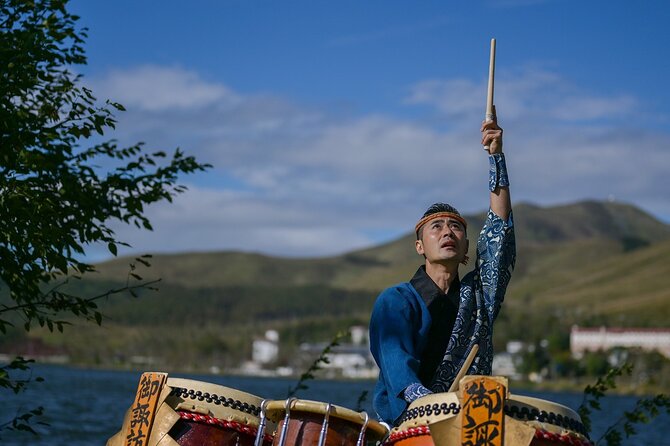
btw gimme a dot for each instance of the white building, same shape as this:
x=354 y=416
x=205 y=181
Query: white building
x=359 y=335
x=348 y=360
x=504 y=365
x=265 y=350
x=507 y=363
x=602 y=339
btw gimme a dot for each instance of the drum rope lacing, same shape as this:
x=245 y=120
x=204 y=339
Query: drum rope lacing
x=543 y=416
x=239 y=427
x=214 y=398
x=539 y=434
x=520 y=413
x=429 y=410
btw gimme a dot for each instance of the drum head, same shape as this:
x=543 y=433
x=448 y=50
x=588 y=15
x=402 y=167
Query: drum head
x=430 y=409
x=214 y=400
x=546 y=415
x=540 y=414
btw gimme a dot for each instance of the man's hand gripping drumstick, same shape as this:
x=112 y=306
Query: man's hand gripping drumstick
x=492 y=134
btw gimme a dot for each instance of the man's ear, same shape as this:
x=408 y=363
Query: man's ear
x=418 y=245
x=466 y=258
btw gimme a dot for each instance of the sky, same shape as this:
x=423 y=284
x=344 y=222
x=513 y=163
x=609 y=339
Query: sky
x=332 y=125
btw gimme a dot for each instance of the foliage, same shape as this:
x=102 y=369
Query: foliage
x=596 y=364
x=594 y=393
x=361 y=401
x=645 y=410
x=316 y=366
x=57 y=198
x=535 y=359
x=239 y=305
x=20 y=421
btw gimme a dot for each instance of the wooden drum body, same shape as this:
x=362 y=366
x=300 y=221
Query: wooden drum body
x=213 y=415
x=312 y=423
x=192 y=413
x=553 y=424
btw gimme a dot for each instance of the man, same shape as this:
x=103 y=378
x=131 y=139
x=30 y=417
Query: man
x=421 y=331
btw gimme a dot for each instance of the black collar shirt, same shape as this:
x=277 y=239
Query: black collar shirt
x=443 y=309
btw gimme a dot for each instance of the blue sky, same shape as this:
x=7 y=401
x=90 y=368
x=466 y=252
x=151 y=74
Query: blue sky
x=332 y=125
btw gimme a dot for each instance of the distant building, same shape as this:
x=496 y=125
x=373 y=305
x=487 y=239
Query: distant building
x=515 y=347
x=265 y=350
x=504 y=365
x=507 y=363
x=347 y=360
x=602 y=339
x=359 y=335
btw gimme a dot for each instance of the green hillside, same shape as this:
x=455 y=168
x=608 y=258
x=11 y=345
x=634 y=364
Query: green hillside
x=586 y=263
x=613 y=227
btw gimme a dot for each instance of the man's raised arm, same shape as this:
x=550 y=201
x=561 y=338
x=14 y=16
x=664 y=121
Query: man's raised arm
x=492 y=140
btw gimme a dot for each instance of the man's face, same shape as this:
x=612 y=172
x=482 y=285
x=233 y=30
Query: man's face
x=443 y=240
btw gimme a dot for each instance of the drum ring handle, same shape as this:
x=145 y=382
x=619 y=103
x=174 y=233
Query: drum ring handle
x=361 y=435
x=324 y=426
x=261 y=425
x=284 y=429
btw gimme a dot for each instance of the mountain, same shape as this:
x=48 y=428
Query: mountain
x=588 y=263
x=554 y=238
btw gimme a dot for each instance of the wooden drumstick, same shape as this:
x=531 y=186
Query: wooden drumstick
x=492 y=69
x=464 y=368
x=489 y=95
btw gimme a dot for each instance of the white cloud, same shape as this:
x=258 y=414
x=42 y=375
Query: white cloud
x=205 y=219
x=530 y=94
x=587 y=108
x=153 y=88
x=458 y=98
x=295 y=180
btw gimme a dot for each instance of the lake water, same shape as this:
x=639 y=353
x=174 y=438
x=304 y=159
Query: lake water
x=86 y=407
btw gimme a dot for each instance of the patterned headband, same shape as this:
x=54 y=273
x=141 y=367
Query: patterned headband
x=427 y=218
